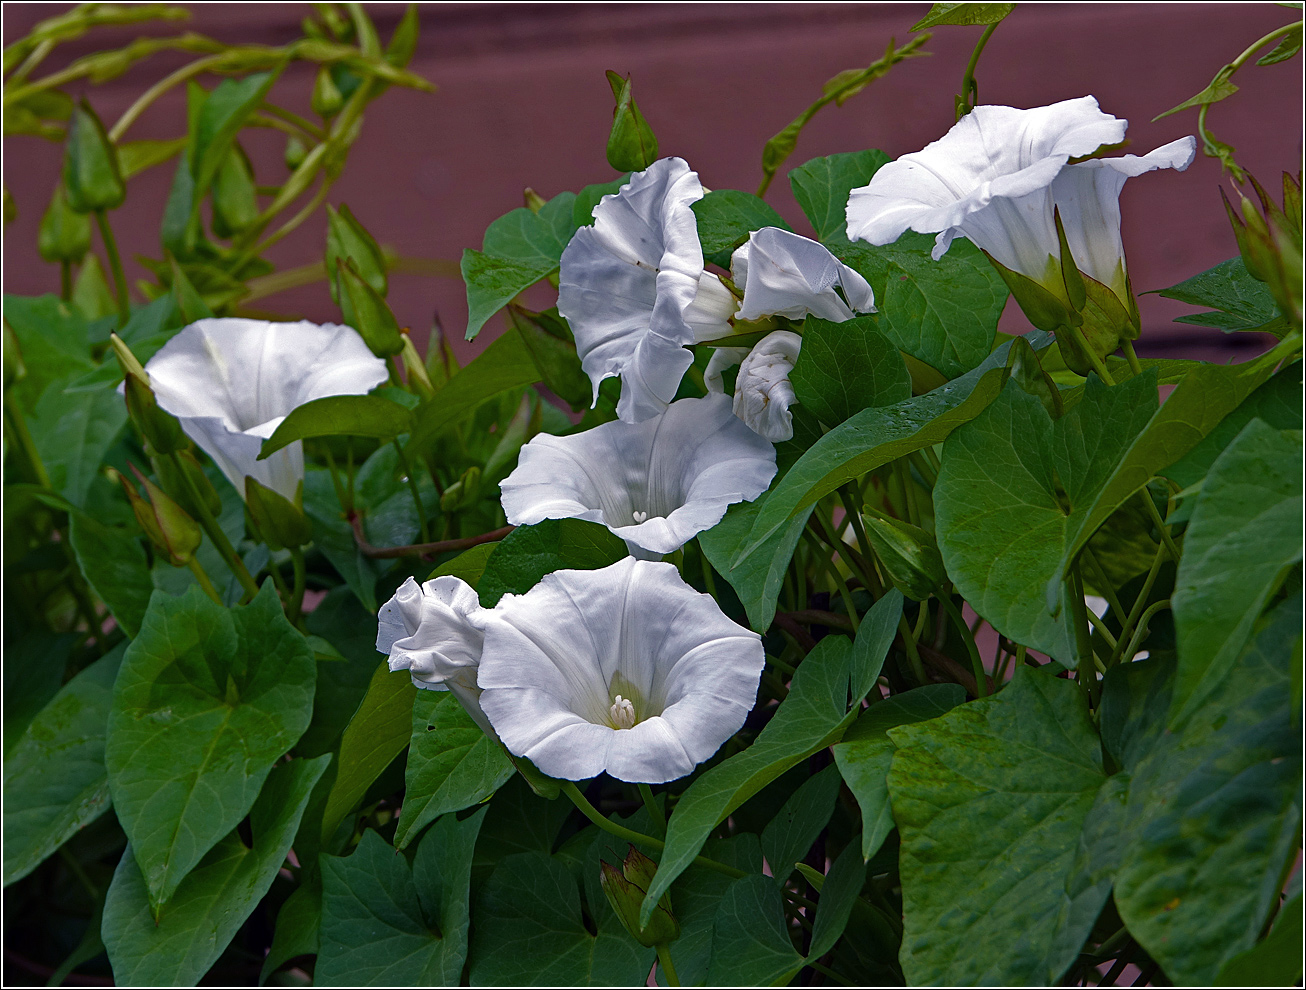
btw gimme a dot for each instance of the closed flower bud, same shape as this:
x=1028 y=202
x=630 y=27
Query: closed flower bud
x=65 y=234
x=625 y=890
x=909 y=555
x=279 y=521
x=169 y=528
x=91 y=175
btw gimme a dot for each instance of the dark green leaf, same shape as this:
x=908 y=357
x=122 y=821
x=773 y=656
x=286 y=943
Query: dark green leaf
x=810 y=718
x=376 y=734
x=235 y=202
x=349 y=628
x=790 y=834
x=1246 y=530
x=207 y=699
x=528 y=553
x=846 y=367
x=1014 y=487
x=1241 y=301
x=554 y=355
x=964 y=14
x=113 y=562
x=750 y=943
x=582 y=211
x=340 y=416
x=222 y=115
x=365 y=309
x=33 y=671
x=725 y=219
x=73 y=431
x=54 y=779
x=452 y=764
x=505 y=364
x=386 y=925
x=985 y=797
x=838 y=895
x=822 y=185
x=1220 y=88
x=758 y=578
x=871 y=645
x=214 y=900
x=865 y=753
x=296 y=932
x=53 y=339
x=1275 y=961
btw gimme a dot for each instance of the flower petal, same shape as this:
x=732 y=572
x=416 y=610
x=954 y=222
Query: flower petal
x=655 y=483
x=434 y=630
x=722 y=359
x=763 y=392
x=784 y=274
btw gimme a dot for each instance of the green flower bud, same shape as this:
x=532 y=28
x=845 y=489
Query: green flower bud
x=347 y=239
x=280 y=522
x=65 y=234
x=294 y=153
x=631 y=145
x=91 y=175
x=462 y=492
x=909 y=554
x=418 y=380
x=625 y=890
x=364 y=309
x=169 y=528
x=326 y=101
x=181 y=475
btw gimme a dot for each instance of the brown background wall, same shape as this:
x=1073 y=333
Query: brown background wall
x=523 y=102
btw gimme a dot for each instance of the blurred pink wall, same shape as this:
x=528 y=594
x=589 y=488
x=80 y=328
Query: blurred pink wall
x=522 y=101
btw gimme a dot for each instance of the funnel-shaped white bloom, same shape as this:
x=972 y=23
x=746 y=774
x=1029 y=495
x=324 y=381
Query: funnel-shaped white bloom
x=231 y=382
x=633 y=288
x=626 y=670
x=656 y=483
x=435 y=631
x=996 y=178
x=784 y=274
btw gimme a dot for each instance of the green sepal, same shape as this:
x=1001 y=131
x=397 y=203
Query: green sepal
x=632 y=146
x=463 y=493
x=625 y=890
x=65 y=234
x=159 y=428
x=543 y=785
x=415 y=369
x=1104 y=325
x=165 y=522
x=182 y=477
x=1040 y=306
x=403 y=43
x=909 y=554
x=279 y=521
x=91 y=175
x=347 y=238
x=364 y=309
x=1070 y=275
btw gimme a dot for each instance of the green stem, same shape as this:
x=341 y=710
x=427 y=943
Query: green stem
x=290 y=117
x=1105 y=583
x=654 y=812
x=215 y=533
x=1140 y=631
x=589 y=811
x=664 y=961
x=830 y=974
x=414 y=491
x=1140 y=603
x=827 y=563
x=976 y=663
x=301 y=584
x=1087 y=670
x=1159 y=523
x=968 y=86
x=115 y=265
x=18 y=426
x=158 y=89
x=335 y=481
x=205 y=584
x=1134 y=364
x=913 y=652
x=66 y=280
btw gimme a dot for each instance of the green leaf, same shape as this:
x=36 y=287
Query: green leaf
x=838 y=896
x=340 y=416
x=73 y=432
x=726 y=217
x=964 y=14
x=872 y=642
x=875 y=437
x=846 y=367
x=520 y=248
x=452 y=764
x=1278 y=402
x=809 y=719
x=1013 y=489
x=1213 y=816
x=1220 y=88
x=631 y=144
x=1241 y=301
x=530 y=931
x=134 y=157
x=53 y=339
x=528 y=553
x=865 y=753
x=65 y=234
x=386 y=925
x=582 y=210
x=944 y=313
x=758 y=578
x=211 y=903
x=547 y=338
x=54 y=779
x=235 y=200
x=296 y=931
x=207 y=699
x=91 y=176
x=33 y=671
x=790 y=834
x=750 y=943
x=985 y=797
x=468 y=565
x=222 y=115
x=505 y=364
x=1245 y=532
x=1273 y=962
x=113 y=562
x=1288 y=46
x=377 y=733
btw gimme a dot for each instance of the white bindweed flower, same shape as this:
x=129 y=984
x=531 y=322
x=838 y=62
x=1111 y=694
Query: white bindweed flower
x=656 y=483
x=784 y=274
x=626 y=670
x=996 y=178
x=633 y=289
x=435 y=631
x=763 y=392
x=230 y=382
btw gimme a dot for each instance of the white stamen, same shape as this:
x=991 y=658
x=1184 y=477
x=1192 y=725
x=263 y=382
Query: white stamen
x=638 y=516
x=622 y=713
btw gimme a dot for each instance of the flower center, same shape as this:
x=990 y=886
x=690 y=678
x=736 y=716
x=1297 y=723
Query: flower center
x=622 y=713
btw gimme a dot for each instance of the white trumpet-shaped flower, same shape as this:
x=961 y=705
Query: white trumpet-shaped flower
x=656 y=483
x=996 y=178
x=626 y=670
x=435 y=631
x=633 y=289
x=230 y=383
x=763 y=392
x=785 y=274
